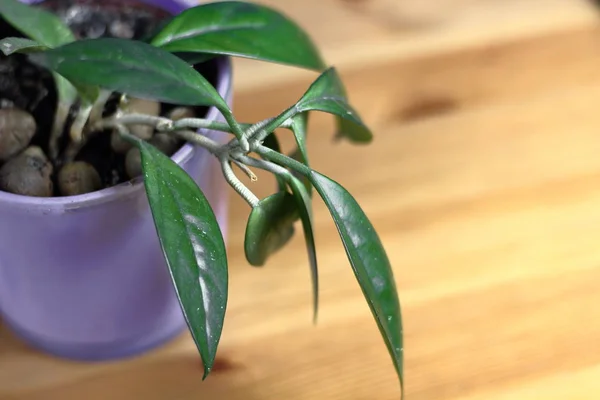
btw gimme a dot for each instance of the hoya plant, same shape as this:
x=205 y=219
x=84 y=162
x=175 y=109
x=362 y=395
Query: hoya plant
x=87 y=72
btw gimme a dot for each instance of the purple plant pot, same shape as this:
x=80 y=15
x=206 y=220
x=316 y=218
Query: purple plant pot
x=83 y=277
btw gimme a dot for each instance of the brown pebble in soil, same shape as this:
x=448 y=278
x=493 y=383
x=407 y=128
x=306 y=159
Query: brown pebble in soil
x=118 y=144
x=108 y=18
x=17 y=128
x=28 y=174
x=141 y=106
x=77 y=178
x=178 y=113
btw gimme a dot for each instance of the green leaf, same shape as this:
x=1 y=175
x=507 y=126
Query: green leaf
x=240 y=29
x=36 y=23
x=369 y=262
x=303 y=202
x=67 y=93
x=89 y=94
x=327 y=94
x=12 y=45
x=270 y=226
x=195 y=58
x=299 y=127
x=132 y=67
x=193 y=247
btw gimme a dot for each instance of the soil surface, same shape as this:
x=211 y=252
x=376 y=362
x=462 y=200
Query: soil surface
x=31 y=88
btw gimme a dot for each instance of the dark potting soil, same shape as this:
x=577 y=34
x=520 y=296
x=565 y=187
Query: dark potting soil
x=31 y=88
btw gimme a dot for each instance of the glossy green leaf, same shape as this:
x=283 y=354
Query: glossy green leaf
x=36 y=23
x=327 y=94
x=88 y=93
x=304 y=204
x=195 y=58
x=131 y=67
x=240 y=29
x=193 y=247
x=270 y=226
x=369 y=262
x=300 y=129
x=12 y=45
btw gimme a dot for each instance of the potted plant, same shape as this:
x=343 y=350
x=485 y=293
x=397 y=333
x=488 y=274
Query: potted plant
x=100 y=265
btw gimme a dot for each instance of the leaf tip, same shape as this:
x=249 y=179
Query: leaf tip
x=207 y=370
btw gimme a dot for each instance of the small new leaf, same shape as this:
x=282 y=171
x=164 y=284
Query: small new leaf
x=37 y=24
x=192 y=245
x=270 y=226
x=132 y=67
x=327 y=94
x=240 y=29
x=369 y=262
x=12 y=45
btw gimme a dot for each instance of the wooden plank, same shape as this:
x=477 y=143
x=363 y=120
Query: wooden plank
x=491 y=220
x=492 y=53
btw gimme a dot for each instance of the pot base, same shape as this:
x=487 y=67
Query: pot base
x=91 y=352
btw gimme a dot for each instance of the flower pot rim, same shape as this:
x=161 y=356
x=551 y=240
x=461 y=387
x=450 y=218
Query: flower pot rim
x=132 y=186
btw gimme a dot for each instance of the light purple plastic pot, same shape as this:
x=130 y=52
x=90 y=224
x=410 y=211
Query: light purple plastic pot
x=83 y=277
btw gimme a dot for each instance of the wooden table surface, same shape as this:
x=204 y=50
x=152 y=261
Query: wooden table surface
x=484 y=183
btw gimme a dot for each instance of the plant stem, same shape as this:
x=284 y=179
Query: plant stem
x=283 y=160
x=265 y=165
x=164 y=124
x=249 y=133
x=60 y=118
x=201 y=140
x=236 y=184
x=237 y=130
x=136 y=119
x=76 y=131
x=274 y=123
x=98 y=107
x=198 y=123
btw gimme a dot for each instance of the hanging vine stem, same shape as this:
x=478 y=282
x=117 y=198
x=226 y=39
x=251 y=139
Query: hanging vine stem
x=222 y=152
x=236 y=184
x=226 y=153
x=81 y=127
x=60 y=119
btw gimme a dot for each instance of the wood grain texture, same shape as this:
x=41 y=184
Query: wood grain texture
x=488 y=204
